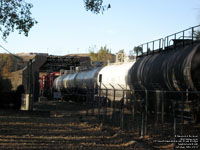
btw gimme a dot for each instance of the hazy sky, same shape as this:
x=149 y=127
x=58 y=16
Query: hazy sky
x=64 y=26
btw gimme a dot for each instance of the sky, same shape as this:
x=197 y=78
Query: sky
x=65 y=27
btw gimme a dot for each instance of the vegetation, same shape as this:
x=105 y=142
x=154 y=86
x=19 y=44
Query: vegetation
x=8 y=64
x=16 y=15
x=137 y=49
x=103 y=55
x=197 y=35
x=6 y=67
x=5 y=84
x=96 y=6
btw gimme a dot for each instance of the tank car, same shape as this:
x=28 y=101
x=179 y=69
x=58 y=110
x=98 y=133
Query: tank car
x=72 y=85
x=173 y=70
x=115 y=78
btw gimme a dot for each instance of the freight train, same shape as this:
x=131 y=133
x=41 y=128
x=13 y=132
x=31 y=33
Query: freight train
x=112 y=77
x=174 y=69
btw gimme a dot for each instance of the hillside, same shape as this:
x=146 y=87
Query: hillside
x=11 y=67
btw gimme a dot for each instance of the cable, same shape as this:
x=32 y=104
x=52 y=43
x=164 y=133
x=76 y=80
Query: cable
x=11 y=53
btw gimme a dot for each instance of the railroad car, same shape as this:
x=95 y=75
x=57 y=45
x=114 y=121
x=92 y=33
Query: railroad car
x=115 y=78
x=46 y=83
x=71 y=85
x=172 y=71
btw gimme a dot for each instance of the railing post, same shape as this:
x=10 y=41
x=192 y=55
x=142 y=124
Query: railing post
x=183 y=38
x=167 y=41
x=153 y=47
x=142 y=49
x=192 y=35
x=175 y=39
x=99 y=102
x=159 y=45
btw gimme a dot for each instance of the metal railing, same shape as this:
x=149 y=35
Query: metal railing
x=182 y=38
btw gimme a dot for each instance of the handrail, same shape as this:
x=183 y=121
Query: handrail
x=165 y=43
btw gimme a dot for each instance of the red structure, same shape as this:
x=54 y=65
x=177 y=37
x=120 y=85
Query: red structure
x=46 y=83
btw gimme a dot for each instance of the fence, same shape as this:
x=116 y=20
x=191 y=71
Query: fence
x=146 y=112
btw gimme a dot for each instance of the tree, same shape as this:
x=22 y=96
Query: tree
x=96 y=6
x=16 y=15
x=137 y=49
x=197 y=35
x=103 y=55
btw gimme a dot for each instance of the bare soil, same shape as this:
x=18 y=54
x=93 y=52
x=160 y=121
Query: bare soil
x=64 y=125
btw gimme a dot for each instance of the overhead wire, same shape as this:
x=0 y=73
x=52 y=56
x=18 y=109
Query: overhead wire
x=11 y=53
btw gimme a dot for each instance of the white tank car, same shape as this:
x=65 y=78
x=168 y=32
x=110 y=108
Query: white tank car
x=115 y=77
x=86 y=79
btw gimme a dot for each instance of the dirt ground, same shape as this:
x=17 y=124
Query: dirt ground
x=64 y=125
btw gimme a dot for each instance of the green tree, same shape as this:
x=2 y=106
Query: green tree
x=137 y=49
x=15 y=15
x=197 y=35
x=96 y=6
x=103 y=55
